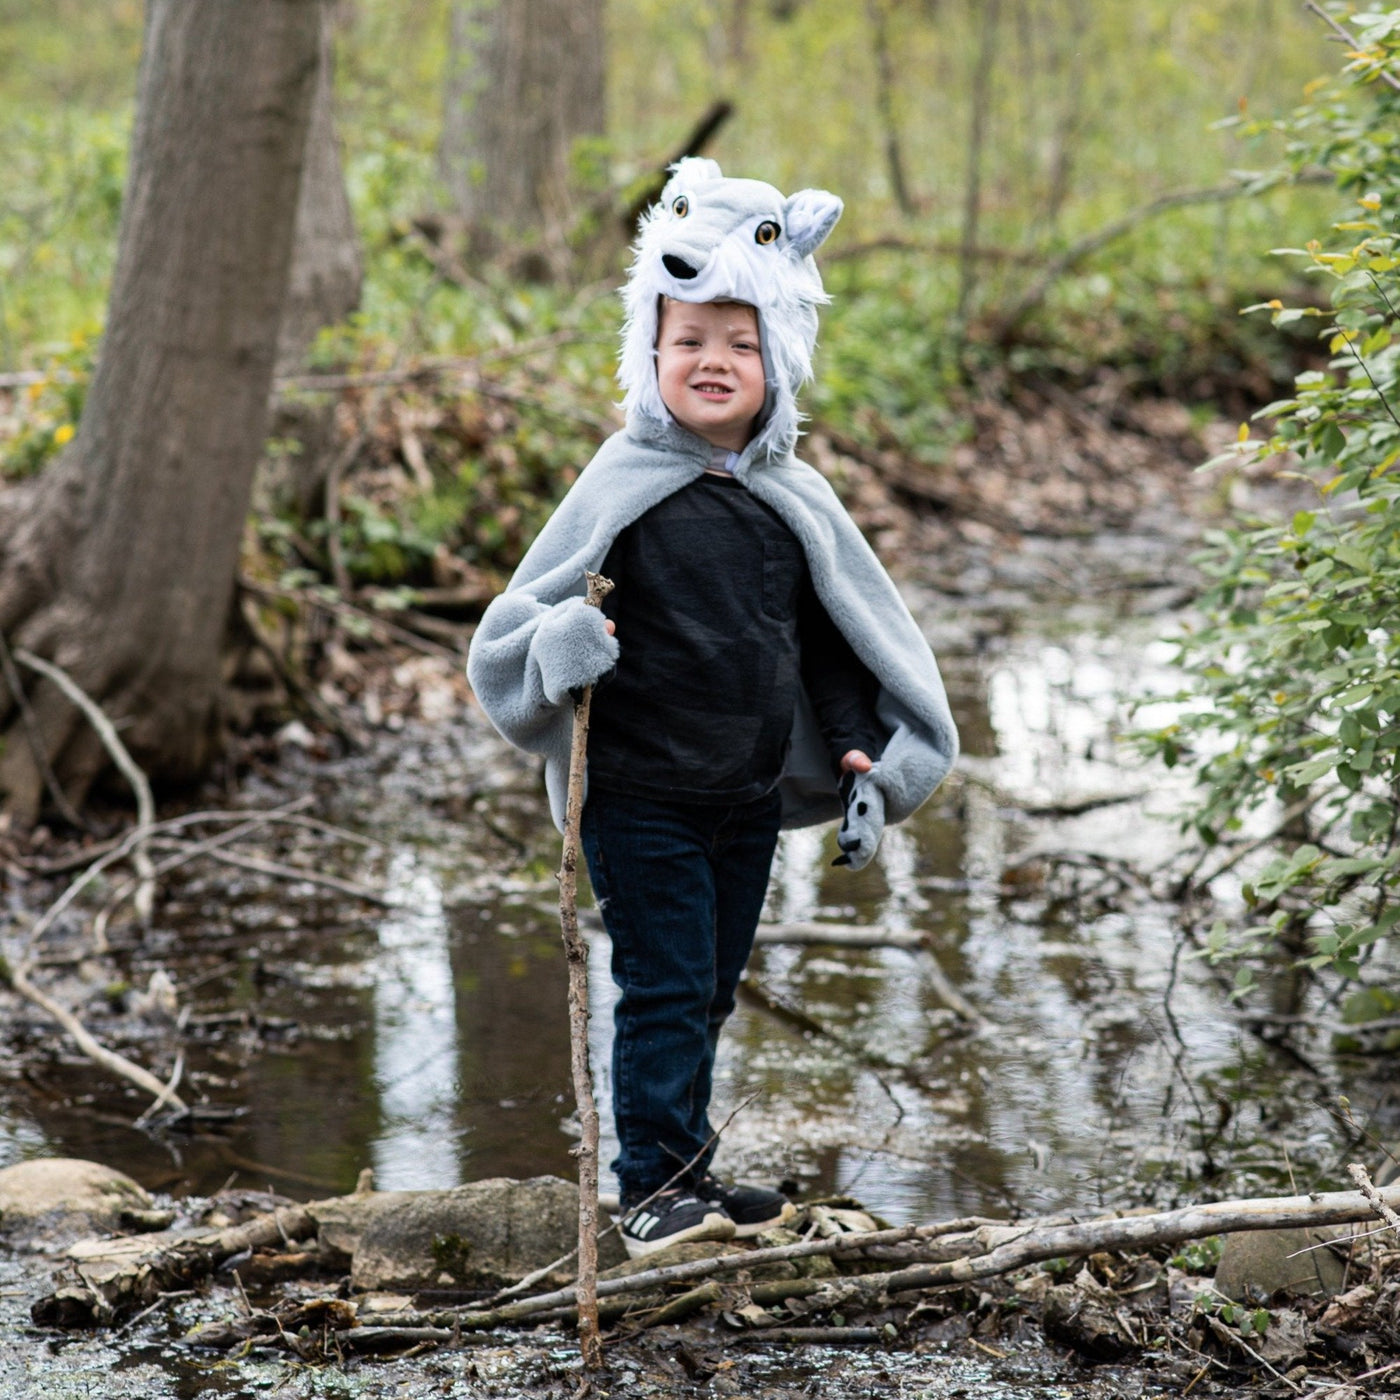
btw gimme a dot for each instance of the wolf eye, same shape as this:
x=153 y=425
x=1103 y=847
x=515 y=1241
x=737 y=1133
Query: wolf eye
x=767 y=232
x=680 y=206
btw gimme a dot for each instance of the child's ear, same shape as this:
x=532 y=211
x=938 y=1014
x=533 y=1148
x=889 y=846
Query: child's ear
x=808 y=216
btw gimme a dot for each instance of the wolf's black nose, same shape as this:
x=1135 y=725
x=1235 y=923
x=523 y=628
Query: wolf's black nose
x=678 y=267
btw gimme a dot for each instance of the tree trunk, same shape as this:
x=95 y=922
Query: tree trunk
x=976 y=139
x=327 y=271
x=119 y=561
x=525 y=83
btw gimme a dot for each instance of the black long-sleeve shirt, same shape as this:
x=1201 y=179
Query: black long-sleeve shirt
x=718 y=624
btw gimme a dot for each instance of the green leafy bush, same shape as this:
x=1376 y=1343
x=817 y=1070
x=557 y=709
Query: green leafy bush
x=1296 y=669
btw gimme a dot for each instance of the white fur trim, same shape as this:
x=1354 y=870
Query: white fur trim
x=716 y=237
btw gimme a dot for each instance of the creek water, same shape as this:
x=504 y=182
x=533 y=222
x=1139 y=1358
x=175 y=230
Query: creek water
x=430 y=1042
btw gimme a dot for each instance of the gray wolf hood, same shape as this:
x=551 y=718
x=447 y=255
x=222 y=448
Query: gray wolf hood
x=633 y=471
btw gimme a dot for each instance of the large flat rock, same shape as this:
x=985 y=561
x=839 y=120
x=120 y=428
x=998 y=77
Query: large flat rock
x=1256 y=1264
x=49 y=1202
x=482 y=1235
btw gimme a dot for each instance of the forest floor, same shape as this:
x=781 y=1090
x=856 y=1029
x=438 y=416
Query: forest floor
x=1054 y=500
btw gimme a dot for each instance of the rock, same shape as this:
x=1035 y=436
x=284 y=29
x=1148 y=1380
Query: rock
x=50 y=1202
x=1256 y=1264
x=481 y=1235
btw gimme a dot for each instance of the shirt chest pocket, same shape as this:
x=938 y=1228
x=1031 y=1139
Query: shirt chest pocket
x=783 y=570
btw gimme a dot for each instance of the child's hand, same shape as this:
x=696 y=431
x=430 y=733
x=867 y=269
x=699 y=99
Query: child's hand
x=573 y=646
x=865 y=811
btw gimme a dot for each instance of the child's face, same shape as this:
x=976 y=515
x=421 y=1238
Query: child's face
x=710 y=369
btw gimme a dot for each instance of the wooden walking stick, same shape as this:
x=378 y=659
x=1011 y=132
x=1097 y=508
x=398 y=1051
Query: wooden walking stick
x=576 y=952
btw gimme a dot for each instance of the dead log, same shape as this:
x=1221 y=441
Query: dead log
x=111 y=1279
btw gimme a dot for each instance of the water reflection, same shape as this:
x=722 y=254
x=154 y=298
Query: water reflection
x=415 y=1037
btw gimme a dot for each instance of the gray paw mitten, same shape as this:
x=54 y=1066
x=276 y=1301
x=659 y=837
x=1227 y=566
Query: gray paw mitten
x=865 y=819
x=572 y=648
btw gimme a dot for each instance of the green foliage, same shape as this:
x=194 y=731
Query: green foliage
x=1251 y=1322
x=1199 y=1256
x=1296 y=668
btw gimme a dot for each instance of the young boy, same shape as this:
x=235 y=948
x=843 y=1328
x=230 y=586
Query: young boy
x=757 y=667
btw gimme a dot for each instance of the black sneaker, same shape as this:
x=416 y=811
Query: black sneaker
x=753 y=1209
x=675 y=1216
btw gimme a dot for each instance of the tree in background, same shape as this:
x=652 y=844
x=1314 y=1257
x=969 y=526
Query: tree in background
x=327 y=269
x=525 y=86
x=119 y=560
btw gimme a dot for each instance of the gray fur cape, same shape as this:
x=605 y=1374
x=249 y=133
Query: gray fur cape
x=538 y=639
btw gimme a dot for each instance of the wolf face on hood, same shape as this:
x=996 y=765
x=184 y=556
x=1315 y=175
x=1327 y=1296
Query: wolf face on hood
x=710 y=238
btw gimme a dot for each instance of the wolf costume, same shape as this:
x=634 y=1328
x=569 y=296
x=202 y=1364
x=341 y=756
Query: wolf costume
x=712 y=238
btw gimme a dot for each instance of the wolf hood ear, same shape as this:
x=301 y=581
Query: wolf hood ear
x=808 y=216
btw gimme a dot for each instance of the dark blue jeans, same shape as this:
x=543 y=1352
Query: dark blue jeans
x=680 y=888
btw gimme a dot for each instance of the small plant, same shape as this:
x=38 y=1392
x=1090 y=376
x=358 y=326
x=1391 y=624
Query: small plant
x=1199 y=1256
x=1249 y=1322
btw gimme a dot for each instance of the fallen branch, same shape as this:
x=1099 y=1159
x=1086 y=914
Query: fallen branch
x=335 y=605
x=866 y=936
x=807 y=1336
x=1362 y=1178
x=100 y=945
x=121 y=1276
x=35 y=740
x=110 y=1060
x=971 y=1254
x=1079 y=251
x=286 y=872
x=840 y=935
x=111 y=741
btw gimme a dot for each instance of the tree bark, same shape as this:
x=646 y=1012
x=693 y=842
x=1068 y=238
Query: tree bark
x=525 y=83
x=327 y=269
x=976 y=140
x=119 y=561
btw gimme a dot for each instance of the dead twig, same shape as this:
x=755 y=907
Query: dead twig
x=286 y=872
x=576 y=953
x=111 y=741
x=336 y=605
x=35 y=740
x=335 y=546
x=188 y=853
x=98 y=1053
x=1362 y=1178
